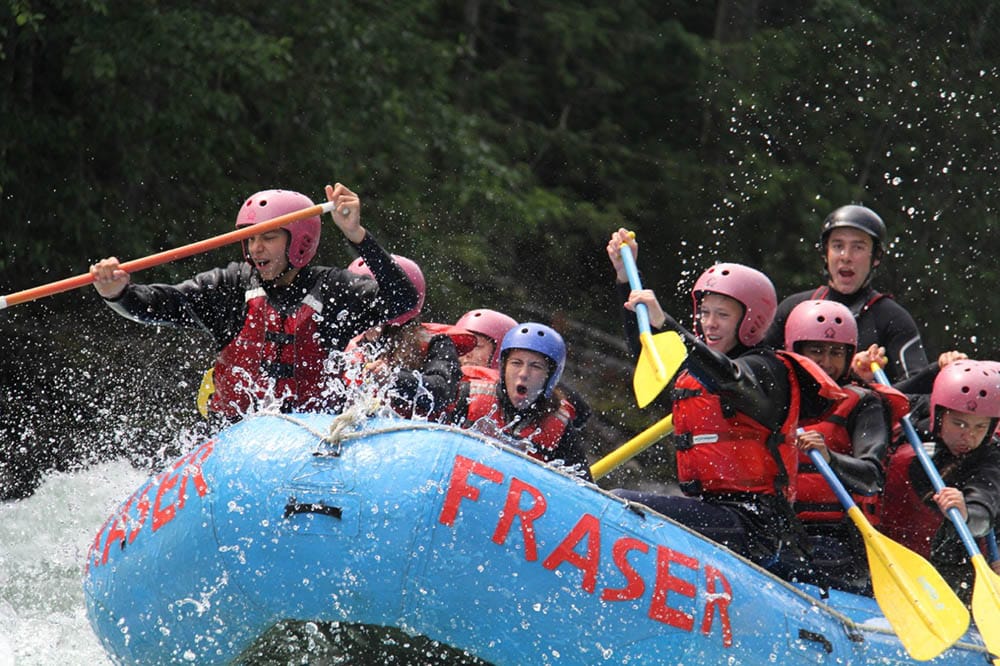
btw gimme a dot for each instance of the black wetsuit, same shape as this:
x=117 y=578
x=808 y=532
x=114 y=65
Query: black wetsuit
x=215 y=301
x=880 y=320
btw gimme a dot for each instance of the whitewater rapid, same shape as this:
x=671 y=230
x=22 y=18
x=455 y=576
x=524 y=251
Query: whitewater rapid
x=43 y=544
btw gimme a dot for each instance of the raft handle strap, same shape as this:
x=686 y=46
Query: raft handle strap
x=294 y=507
x=806 y=635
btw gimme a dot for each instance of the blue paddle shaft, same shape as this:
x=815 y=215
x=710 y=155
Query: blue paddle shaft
x=641 y=312
x=831 y=477
x=935 y=477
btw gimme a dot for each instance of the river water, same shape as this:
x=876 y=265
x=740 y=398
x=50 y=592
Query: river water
x=90 y=404
x=43 y=542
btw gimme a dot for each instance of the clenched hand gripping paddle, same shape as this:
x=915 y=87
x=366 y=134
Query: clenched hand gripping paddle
x=167 y=255
x=662 y=354
x=986 y=593
x=923 y=610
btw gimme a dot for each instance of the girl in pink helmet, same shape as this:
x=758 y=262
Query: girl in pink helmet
x=273 y=315
x=735 y=407
x=853 y=438
x=418 y=362
x=489 y=327
x=959 y=419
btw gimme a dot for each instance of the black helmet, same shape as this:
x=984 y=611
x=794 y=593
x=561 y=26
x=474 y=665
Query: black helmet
x=858 y=217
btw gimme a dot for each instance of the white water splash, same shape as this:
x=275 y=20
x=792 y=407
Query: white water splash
x=43 y=545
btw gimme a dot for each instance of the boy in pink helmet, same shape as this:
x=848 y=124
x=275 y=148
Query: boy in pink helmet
x=274 y=317
x=959 y=419
x=735 y=409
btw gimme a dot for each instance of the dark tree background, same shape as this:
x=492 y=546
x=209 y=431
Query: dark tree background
x=499 y=143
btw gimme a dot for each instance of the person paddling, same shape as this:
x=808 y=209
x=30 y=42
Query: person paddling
x=852 y=242
x=735 y=409
x=417 y=362
x=959 y=420
x=717 y=317
x=852 y=438
x=274 y=317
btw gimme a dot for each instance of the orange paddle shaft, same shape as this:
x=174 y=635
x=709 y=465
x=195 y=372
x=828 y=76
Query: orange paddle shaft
x=167 y=255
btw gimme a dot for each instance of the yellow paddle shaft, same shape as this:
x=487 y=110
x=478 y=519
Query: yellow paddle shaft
x=986 y=605
x=654 y=357
x=633 y=447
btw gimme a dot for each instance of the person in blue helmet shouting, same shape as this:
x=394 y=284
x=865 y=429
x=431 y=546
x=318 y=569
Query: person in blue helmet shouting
x=524 y=402
x=274 y=316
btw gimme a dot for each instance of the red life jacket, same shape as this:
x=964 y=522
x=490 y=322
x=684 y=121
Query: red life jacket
x=271 y=348
x=544 y=432
x=464 y=340
x=905 y=518
x=480 y=372
x=720 y=450
x=898 y=403
x=815 y=501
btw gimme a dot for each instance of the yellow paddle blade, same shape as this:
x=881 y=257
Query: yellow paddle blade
x=661 y=356
x=922 y=608
x=986 y=605
x=633 y=447
x=205 y=391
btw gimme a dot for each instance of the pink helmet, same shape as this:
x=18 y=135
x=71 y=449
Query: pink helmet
x=490 y=323
x=966 y=386
x=750 y=287
x=412 y=270
x=303 y=234
x=821 y=321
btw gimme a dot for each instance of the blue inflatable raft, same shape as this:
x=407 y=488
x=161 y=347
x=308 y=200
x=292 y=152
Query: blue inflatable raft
x=446 y=534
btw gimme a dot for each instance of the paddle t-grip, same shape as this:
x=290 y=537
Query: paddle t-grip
x=642 y=315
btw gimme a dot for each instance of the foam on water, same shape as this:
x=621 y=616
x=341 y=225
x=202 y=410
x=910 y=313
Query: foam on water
x=43 y=543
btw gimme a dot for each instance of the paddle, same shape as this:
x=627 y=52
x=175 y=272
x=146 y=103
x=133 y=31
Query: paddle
x=662 y=354
x=205 y=392
x=633 y=447
x=167 y=255
x=922 y=608
x=986 y=593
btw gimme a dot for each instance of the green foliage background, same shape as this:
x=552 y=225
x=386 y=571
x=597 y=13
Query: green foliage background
x=500 y=142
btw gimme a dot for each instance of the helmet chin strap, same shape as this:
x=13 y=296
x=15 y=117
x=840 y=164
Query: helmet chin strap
x=288 y=269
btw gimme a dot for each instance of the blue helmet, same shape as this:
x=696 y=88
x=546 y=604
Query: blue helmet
x=541 y=339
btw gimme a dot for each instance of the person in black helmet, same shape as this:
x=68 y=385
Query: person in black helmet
x=852 y=242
